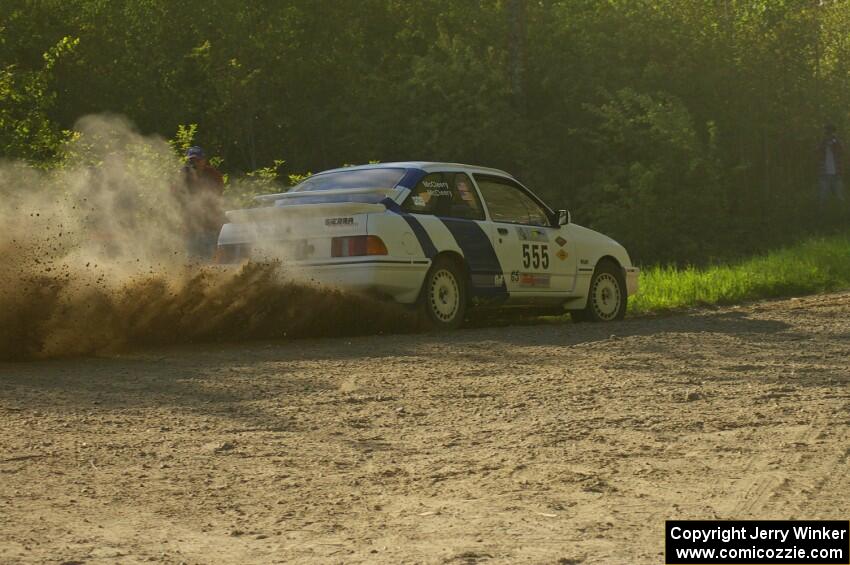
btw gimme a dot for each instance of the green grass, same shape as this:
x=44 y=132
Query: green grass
x=812 y=266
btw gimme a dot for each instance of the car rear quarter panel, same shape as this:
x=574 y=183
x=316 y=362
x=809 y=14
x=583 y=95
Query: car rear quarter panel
x=398 y=232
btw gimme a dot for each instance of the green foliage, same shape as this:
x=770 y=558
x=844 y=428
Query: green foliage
x=815 y=265
x=684 y=129
x=264 y=180
x=654 y=172
x=26 y=130
x=184 y=138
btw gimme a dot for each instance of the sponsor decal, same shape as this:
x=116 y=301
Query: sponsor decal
x=437 y=188
x=499 y=280
x=560 y=241
x=533 y=280
x=347 y=221
x=418 y=200
x=583 y=261
x=561 y=254
x=532 y=234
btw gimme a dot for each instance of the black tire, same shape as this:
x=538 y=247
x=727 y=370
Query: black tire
x=442 y=301
x=607 y=297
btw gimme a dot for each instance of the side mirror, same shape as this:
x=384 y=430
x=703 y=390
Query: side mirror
x=564 y=217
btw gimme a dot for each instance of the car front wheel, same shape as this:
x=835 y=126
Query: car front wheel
x=607 y=298
x=443 y=299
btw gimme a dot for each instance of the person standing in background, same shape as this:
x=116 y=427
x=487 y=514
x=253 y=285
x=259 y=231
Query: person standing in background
x=831 y=159
x=199 y=195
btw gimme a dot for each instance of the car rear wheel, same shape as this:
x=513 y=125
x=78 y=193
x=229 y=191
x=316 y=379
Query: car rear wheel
x=443 y=300
x=607 y=298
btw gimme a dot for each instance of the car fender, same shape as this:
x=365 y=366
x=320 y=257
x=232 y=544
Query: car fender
x=591 y=247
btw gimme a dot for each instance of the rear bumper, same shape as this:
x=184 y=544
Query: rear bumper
x=632 y=277
x=397 y=279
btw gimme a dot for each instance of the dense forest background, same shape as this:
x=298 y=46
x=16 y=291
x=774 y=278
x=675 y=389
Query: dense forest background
x=686 y=129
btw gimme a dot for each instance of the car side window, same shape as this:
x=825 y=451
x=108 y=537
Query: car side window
x=508 y=203
x=449 y=195
x=465 y=201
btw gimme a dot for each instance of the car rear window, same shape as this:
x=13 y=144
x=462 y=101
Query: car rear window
x=360 y=178
x=311 y=190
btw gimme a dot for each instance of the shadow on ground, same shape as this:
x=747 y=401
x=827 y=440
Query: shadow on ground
x=216 y=378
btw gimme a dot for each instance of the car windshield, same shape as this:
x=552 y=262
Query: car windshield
x=310 y=190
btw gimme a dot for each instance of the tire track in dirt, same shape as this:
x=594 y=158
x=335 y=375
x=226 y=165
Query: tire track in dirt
x=760 y=486
x=540 y=444
x=784 y=480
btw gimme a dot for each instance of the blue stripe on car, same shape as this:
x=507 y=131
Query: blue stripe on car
x=424 y=239
x=476 y=246
x=411 y=178
x=392 y=206
x=428 y=247
x=484 y=266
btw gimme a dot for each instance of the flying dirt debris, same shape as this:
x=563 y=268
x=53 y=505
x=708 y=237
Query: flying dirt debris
x=45 y=315
x=92 y=262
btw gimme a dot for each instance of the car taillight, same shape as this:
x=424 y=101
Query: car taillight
x=357 y=245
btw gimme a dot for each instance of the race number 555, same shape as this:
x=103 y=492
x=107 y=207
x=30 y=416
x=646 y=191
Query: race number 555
x=535 y=255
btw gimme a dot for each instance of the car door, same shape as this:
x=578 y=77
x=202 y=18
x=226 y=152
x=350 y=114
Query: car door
x=450 y=212
x=537 y=258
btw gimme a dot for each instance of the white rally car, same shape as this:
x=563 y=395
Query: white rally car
x=441 y=235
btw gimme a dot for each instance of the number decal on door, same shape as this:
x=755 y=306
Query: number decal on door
x=535 y=255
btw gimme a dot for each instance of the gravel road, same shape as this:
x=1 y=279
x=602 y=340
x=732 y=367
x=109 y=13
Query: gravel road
x=523 y=444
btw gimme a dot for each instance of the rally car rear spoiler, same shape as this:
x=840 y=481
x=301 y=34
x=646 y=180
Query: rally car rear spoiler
x=286 y=204
x=293 y=208
x=392 y=193
x=303 y=210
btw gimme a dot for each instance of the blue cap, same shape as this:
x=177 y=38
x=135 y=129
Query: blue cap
x=195 y=153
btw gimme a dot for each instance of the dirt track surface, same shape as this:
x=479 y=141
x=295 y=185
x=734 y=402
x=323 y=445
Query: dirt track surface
x=542 y=444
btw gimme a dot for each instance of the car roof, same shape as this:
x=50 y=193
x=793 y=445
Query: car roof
x=427 y=166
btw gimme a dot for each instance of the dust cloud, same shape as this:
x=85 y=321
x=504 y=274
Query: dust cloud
x=92 y=260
